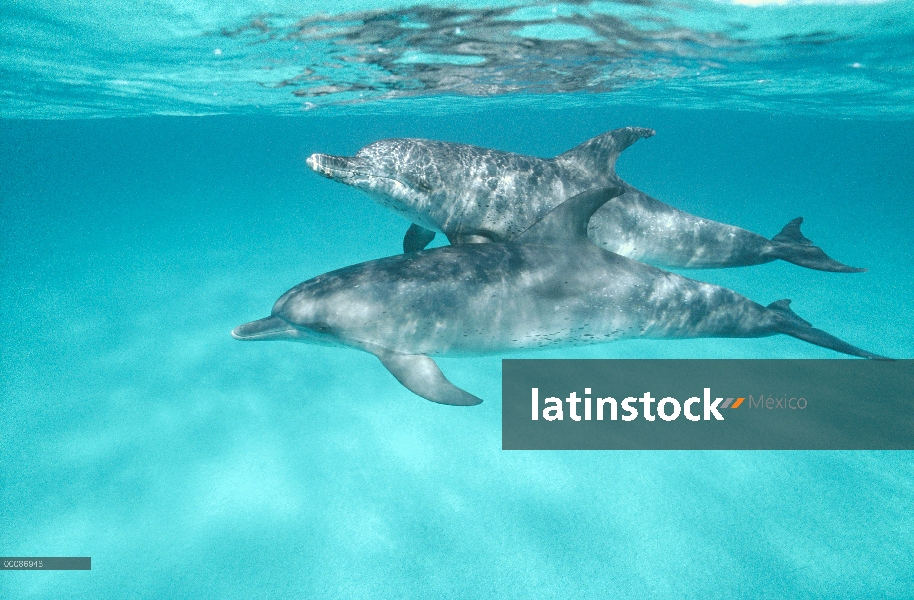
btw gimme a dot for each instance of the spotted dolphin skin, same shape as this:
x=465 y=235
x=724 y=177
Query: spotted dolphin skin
x=474 y=194
x=550 y=286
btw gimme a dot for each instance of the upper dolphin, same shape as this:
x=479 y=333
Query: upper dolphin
x=474 y=194
x=550 y=286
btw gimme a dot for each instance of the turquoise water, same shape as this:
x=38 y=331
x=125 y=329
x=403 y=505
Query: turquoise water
x=136 y=431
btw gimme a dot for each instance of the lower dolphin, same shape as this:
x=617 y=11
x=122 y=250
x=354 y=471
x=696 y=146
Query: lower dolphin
x=474 y=194
x=551 y=286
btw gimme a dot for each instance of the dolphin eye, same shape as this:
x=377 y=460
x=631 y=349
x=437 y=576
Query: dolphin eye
x=419 y=184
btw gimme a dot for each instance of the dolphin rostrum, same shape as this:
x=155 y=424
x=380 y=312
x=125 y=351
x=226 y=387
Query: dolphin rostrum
x=474 y=194
x=550 y=286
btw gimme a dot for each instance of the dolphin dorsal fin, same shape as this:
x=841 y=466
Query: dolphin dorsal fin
x=567 y=222
x=599 y=154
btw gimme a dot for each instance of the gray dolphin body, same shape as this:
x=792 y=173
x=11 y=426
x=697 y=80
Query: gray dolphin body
x=551 y=286
x=474 y=194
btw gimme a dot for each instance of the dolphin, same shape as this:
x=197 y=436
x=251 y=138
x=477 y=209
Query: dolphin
x=550 y=286
x=474 y=194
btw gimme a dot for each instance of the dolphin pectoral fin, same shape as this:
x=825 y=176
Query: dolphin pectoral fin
x=792 y=325
x=794 y=247
x=417 y=238
x=420 y=375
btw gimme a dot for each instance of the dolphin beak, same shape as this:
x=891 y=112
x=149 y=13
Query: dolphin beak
x=271 y=328
x=334 y=167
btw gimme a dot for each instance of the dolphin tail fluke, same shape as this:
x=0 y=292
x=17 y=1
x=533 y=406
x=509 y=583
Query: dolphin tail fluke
x=793 y=325
x=420 y=375
x=791 y=245
x=600 y=153
x=417 y=238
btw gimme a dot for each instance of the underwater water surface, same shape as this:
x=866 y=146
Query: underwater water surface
x=137 y=229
